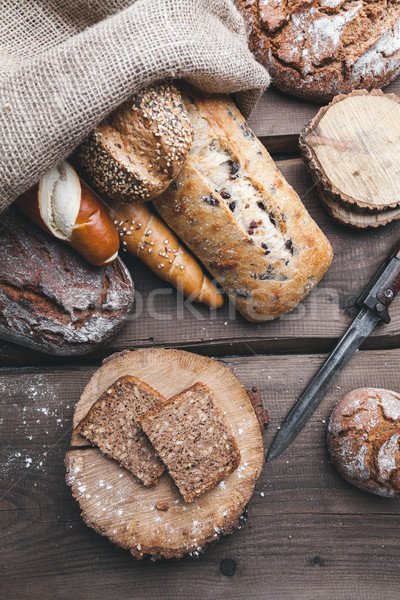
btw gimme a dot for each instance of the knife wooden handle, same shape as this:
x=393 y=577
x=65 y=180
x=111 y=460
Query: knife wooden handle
x=391 y=285
x=384 y=287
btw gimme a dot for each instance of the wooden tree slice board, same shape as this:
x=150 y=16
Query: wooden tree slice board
x=116 y=505
x=359 y=220
x=352 y=148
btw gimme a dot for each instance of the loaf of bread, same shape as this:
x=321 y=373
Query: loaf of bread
x=364 y=440
x=138 y=150
x=239 y=216
x=64 y=206
x=320 y=48
x=51 y=299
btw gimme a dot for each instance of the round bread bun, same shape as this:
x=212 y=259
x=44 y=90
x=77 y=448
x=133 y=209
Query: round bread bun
x=320 y=48
x=135 y=153
x=364 y=440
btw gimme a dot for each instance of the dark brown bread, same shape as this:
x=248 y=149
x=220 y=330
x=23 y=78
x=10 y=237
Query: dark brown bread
x=111 y=425
x=364 y=440
x=190 y=436
x=51 y=299
x=320 y=48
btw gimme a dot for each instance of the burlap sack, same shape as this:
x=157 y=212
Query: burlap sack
x=65 y=64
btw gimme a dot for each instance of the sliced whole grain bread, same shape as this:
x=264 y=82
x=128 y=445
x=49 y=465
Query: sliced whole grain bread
x=111 y=424
x=190 y=435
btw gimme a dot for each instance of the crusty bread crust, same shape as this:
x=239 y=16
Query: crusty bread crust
x=134 y=154
x=364 y=440
x=263 y=281
x=321 y=48
x=52 y=299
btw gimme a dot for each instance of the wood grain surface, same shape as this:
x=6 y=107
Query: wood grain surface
x=310 y=534
x=164 y=318
x=279 y=118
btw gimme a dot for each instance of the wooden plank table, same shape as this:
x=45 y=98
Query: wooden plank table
x=310 y=534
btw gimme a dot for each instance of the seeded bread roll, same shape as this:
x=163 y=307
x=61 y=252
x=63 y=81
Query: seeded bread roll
x=364 y=440
x=239 y=216
x=134 y=154
x=320 y=48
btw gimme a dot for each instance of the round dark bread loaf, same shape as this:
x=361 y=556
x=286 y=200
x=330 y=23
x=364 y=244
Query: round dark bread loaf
x=51 y=299
x=320 y=48
x=364 y=440
x=135 y=153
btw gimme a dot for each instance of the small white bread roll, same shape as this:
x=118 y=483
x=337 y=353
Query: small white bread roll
x=64 y=206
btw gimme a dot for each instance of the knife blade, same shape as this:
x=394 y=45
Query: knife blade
x=374 y=302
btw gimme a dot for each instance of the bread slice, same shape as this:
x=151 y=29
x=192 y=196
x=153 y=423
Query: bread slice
x=190 y=436
x=111 y=425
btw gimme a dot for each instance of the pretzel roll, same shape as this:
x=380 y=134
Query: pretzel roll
x=64 y=206
x=146 y=236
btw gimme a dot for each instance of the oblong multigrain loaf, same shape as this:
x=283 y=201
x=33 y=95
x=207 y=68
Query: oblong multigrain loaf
x=51 y=299
x=237 y=213
x=135 y=153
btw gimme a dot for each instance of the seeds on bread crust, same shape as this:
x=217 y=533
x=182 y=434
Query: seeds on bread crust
x=135 y=153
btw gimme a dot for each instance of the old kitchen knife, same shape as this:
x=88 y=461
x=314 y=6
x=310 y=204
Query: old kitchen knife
x=374 y=302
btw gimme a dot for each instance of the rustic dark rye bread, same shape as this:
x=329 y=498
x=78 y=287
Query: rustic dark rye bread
x=135 y=153
x=190 y=436
x=320 y=48
x=111 y=425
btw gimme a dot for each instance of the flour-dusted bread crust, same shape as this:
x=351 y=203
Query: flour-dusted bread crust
x=240 y=217
x=138 y=150
x=51 y=299
x=320 y=48
x=364 y=440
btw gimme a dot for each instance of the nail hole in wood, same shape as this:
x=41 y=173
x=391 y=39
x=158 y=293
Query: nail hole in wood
x=227 y=567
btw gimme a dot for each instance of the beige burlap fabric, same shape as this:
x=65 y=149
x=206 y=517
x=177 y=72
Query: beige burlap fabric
x=65 y=64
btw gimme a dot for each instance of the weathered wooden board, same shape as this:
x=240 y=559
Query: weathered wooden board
x=310 y=534
x=163 y=318
x=279 y=118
